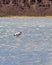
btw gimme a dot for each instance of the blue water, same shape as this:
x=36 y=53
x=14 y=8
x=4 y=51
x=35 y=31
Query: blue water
x=33 y=47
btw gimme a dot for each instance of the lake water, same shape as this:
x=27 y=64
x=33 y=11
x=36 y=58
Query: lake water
x=33 y=47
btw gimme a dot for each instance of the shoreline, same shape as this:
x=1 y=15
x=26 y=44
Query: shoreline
x=26 y=17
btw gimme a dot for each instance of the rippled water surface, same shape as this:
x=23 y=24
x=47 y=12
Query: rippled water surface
x=33 y=47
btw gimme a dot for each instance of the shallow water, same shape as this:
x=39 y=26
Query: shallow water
x=33 y=47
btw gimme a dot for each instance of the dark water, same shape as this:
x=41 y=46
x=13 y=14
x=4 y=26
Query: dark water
x=33 y=47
